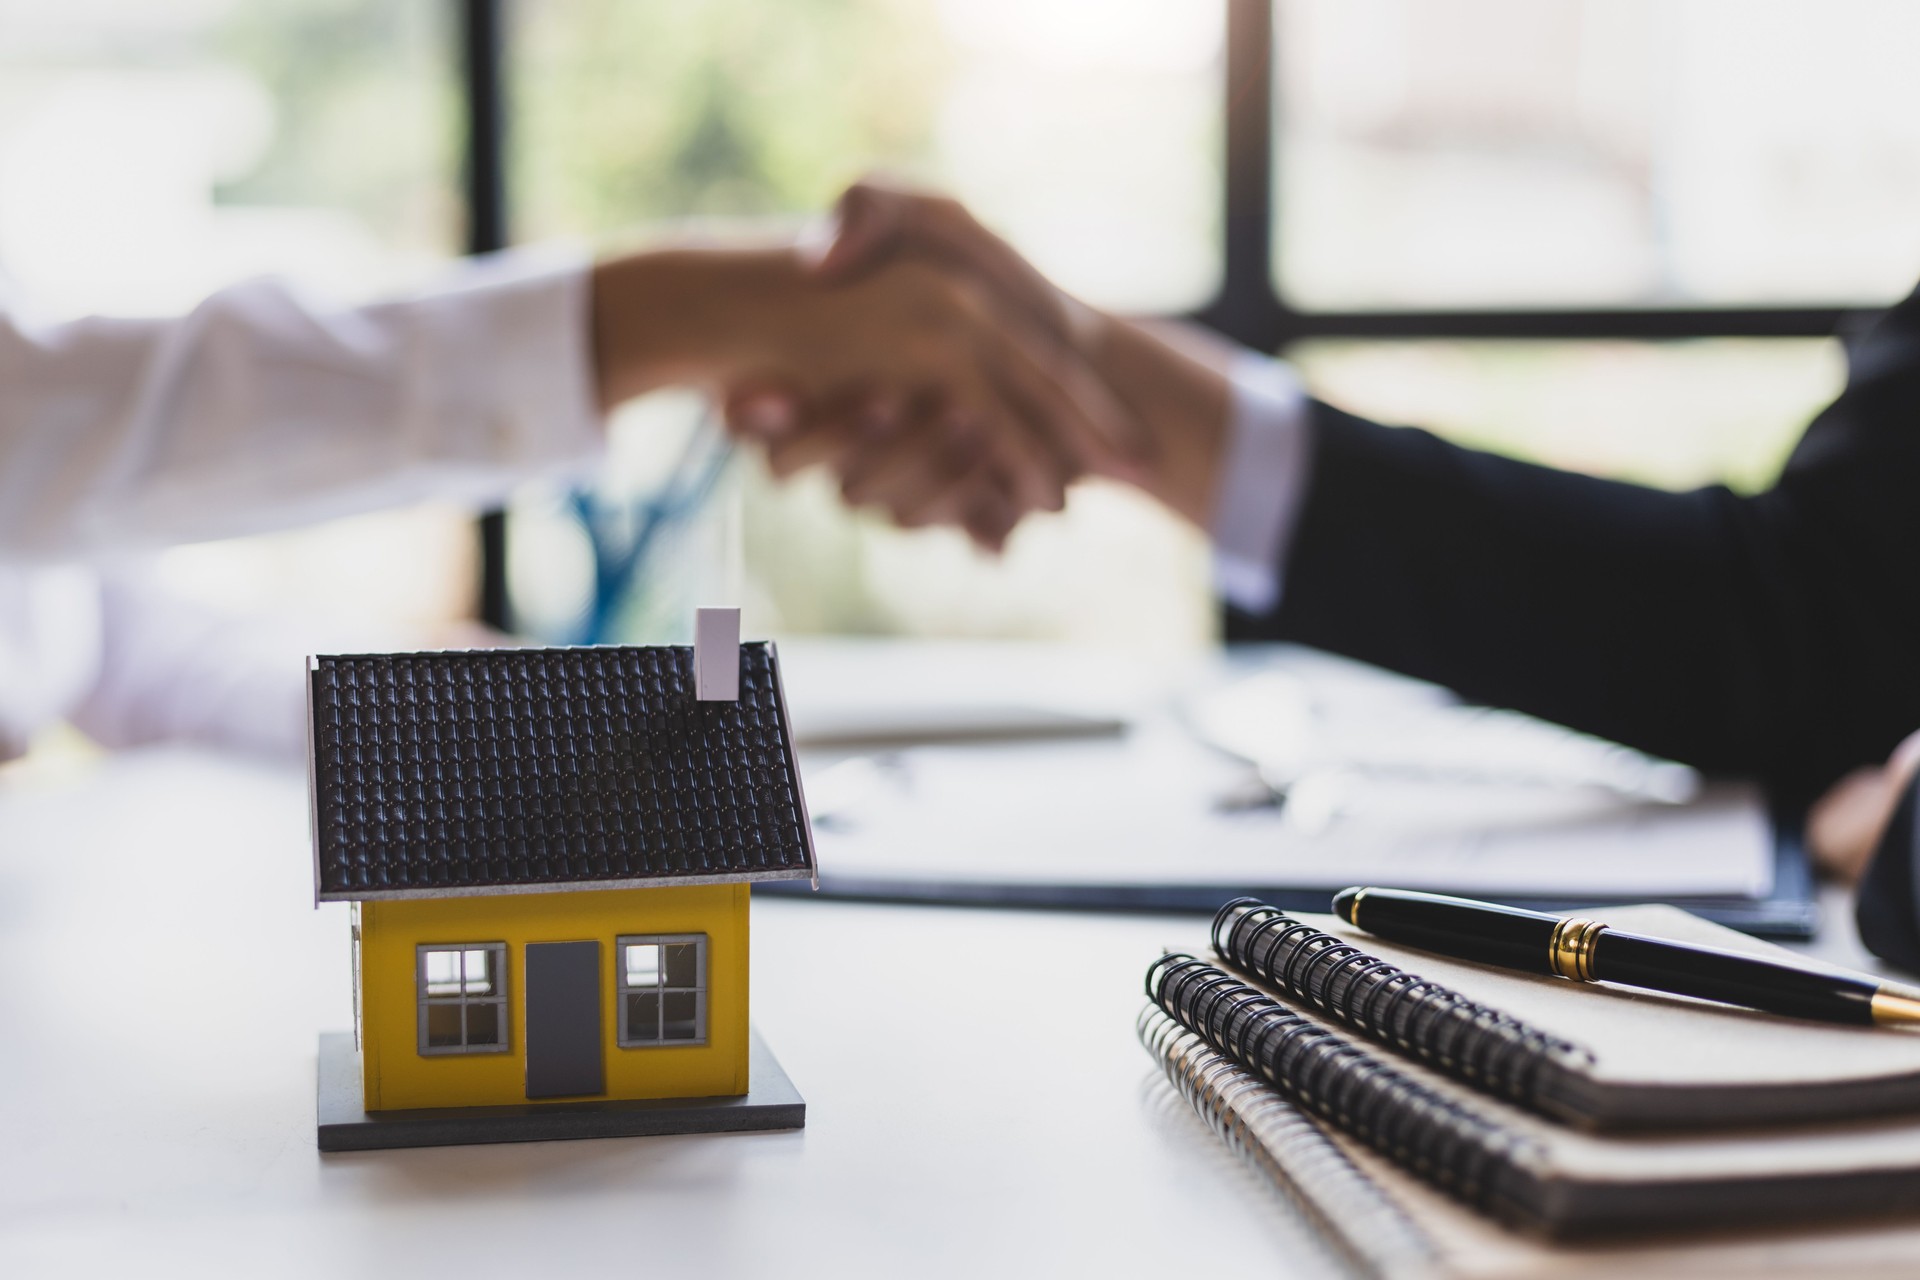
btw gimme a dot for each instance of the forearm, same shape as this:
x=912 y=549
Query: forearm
x=688 y=317
x=1174 y=379
x=262 y=409
x=1233 y=454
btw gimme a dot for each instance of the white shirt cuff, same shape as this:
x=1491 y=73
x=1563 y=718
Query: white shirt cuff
x=1263 y=475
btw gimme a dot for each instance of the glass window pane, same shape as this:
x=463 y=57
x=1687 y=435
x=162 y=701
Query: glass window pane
x=1089 y=130
x=643 y=1017
x=1675 y=414
x=483 y=1024
x=443 y=1026
x=683 y=964
x=1468 y=153
x=479 y=973
x=443 y=973
x=681 y=1011
x=643 y=965
x=151 y=153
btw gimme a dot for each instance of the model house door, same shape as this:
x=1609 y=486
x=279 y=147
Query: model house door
x=563 y=1020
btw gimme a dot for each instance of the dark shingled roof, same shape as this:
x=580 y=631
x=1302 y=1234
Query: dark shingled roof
x=503 y=770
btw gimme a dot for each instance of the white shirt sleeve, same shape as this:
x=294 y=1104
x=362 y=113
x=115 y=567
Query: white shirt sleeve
x=262 y=409
x=1262 y=480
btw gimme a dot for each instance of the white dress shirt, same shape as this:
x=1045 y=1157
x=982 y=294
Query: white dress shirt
x=259 y=410
x=1262 y=481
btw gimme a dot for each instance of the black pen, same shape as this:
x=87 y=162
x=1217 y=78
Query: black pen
x=1587 y=951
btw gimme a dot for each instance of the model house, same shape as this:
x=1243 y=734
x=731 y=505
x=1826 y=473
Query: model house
x=550 y=853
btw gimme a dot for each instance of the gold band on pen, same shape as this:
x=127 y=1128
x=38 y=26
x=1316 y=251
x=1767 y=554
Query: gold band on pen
x=1570 y=951
x=1896 y=1006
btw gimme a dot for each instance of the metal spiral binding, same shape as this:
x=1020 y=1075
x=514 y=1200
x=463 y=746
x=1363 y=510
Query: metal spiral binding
x=1464 y=1154
x=1436 y=1024
x=1290 y=1149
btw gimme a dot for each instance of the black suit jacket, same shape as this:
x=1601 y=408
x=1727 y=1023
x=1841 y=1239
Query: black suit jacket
x=1775 y=635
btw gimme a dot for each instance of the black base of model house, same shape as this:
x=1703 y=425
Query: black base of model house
x=771 y=1102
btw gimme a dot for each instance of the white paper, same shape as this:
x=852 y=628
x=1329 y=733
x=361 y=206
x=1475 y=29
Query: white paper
x=1386 y=780
x=1141 y=810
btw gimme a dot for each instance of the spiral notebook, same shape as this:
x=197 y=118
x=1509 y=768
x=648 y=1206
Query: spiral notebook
x=1591 y=1056
x=1460 y=1103
x=1386 y=1224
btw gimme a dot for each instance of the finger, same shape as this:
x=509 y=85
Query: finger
x=1036 y=474
x=878 y=220
x=761 y=408
x=968 y=487
x=989 y=517
x=789 y=455
x=835 y=429
x=1844 y=825
x=973 y=502
x=865 y=231
x=1074 y=422
x=974 y=484
x=819 y=442
x=915 y=475
x=1075 y=417
x=1905 y=760
x=875 y=221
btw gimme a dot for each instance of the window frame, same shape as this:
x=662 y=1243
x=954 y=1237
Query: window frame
x=701 y=990
x=424 y=1001
x=1248 y=308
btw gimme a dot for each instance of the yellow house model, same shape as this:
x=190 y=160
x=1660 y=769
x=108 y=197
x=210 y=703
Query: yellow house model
x=550 y=853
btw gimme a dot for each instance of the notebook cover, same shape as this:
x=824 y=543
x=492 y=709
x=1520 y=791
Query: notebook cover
x=1470 y=1247
x=1528 y=1172
x=1352 y=1195
x=1665 y=1061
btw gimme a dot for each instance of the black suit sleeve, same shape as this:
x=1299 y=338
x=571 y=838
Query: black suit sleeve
x=1774 y=635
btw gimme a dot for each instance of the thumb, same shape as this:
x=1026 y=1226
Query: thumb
x=866 y=227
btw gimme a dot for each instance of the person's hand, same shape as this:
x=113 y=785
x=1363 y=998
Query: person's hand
x=915 y=455
x=894 y=452
x=1170 y=386
x=949 y=413
x=1844 y=826
x=875 y=222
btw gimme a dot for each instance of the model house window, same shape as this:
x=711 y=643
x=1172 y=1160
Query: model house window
x=663 y=989
x=463 y=998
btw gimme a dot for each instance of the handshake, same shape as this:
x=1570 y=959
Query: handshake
x=930 y=368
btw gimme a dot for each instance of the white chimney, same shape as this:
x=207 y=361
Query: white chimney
x=716 y=655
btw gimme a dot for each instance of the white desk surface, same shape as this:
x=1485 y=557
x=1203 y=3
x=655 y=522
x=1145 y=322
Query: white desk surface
x=165 y=976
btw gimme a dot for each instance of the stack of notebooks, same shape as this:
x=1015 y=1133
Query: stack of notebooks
x=1437 y=1117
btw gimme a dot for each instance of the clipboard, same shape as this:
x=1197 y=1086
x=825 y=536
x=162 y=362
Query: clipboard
x=1789 y=913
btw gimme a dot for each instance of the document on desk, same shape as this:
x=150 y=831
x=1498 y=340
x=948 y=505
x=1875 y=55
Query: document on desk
x=1269 y=769
x=1146 y=809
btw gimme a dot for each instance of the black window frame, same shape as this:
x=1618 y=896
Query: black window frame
x=1250 y=310
x=1247 y=308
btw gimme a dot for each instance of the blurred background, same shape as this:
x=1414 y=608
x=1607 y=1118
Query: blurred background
x=1607 y=234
